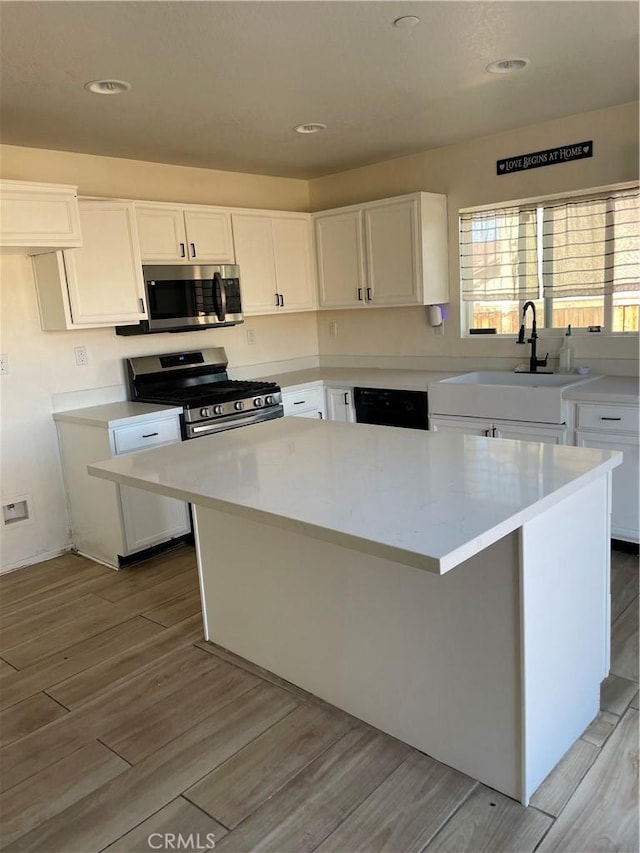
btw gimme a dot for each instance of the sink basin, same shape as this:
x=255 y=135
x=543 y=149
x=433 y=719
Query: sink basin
x=535 y=397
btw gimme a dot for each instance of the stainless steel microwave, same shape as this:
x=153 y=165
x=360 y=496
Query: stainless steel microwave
x=189 y=298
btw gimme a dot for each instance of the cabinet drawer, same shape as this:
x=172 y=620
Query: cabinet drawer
x=148 y=434
x=304 y=400
x=608 y=418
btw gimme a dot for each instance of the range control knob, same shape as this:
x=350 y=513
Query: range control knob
x=239 y=406
x=204 y=413
x=218 y=410
x=258 y=402
x=269 y=400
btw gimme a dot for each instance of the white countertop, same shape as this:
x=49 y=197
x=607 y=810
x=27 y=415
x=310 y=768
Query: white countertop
x=606 y=389
x=428 y=500
x=112 y=415
x=351 y=377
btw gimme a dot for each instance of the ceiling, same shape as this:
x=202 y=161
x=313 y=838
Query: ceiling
x=221 y=84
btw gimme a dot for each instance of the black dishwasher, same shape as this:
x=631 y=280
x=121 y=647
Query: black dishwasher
x=390 y=407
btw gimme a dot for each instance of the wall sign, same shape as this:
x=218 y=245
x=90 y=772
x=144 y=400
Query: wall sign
x=564 y=154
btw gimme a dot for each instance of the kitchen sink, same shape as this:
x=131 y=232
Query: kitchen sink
x=535 y=397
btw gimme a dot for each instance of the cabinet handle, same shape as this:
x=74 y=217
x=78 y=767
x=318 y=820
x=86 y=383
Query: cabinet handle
x=369 y=296
x=610 y=419
x=346 y=398
x=487 y=433
x=299 y=402
x=320 y=415
x=193 y=250
x=183 y=254
x=359 y=294
x=150 y=435
x=142 y=305
x=281 y=301
x=277 y=300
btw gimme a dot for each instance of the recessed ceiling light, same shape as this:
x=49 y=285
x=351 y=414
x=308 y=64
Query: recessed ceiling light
x=108 y=87
x=506 y=66
x=311 y=127
x=406 y=21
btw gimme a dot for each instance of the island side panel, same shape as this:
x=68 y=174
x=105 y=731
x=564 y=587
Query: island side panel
x=565 y=636
x=433 y=660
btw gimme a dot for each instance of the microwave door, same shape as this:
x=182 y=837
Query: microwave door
x=220 y=297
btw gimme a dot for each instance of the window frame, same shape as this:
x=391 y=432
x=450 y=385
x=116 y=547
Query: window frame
x=466 y=307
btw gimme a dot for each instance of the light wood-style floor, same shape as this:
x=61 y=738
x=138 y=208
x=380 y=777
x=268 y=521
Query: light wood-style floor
x=117 y=722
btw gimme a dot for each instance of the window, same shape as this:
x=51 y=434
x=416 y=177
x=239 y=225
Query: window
x=577 y=259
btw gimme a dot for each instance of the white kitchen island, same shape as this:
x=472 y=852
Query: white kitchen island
x=450 y=590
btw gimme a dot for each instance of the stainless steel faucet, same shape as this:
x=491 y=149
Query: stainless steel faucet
x=534 y=362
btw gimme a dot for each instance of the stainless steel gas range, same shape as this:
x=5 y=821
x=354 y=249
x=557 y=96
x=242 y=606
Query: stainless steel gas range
x=198 y=381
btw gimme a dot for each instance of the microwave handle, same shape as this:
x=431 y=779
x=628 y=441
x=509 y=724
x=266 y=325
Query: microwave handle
x=221 y=296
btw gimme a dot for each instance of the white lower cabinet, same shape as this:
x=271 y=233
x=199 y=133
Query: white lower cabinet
x=517 y=430
x=111 y=523
x=306 y=401
x=340 y=405
x=615 y=427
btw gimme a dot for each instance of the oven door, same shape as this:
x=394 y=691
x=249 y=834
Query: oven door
x=180 y=298
x=200 y=428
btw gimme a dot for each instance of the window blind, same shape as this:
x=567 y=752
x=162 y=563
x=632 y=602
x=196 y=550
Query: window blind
x=591 y=246
x=498 y=254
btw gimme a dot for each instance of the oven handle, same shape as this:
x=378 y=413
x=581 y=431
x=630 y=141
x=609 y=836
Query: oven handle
x=233 y=423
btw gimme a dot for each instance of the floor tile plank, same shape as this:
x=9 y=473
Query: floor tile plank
x=634 y=702
x=47 y=672
x=600 y=729
x=42 y=796
x=35 y=582
x=137 y=734
x=27 y=716
x=175 y=611
x=102 y=817
x=178 y=818
x=20 y=627
x=144 y=576
x=302 y=814
x=405 y=812
x=602 y=815
x=624 y=643
x=616 y=693
x=488 y=822
x=236 y=789
x=553 y=794
x=6 y=668
x=624 y=581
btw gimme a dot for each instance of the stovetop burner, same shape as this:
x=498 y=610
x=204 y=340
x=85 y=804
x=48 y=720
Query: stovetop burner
x=218 y=392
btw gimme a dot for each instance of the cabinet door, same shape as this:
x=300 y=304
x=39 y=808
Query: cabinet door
x=149 y=519
x=39 y=215
x=253 y=240
x=625 y=515
x=468 y=426
x=161 y=233
x=104 y=277
x=339 y=248
x=292 y=251
x=340 y=405
x=306 y=402
x=530 y=432
x=209 y=236
x=392 y=251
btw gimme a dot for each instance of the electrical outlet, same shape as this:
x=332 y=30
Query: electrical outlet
x=4 y=363
x=82 y=359
x=251 y=337
x=333 y=329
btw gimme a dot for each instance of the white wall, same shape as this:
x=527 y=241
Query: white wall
x=466 y=173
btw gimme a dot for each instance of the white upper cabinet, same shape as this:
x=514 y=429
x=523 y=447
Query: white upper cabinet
x=101 y=283
x=172 y=234
x=38 y=217
x=384 y=253
x=273 y=252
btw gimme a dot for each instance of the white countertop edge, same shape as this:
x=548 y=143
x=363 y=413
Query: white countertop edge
x=435 y=564
x=98 y=416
